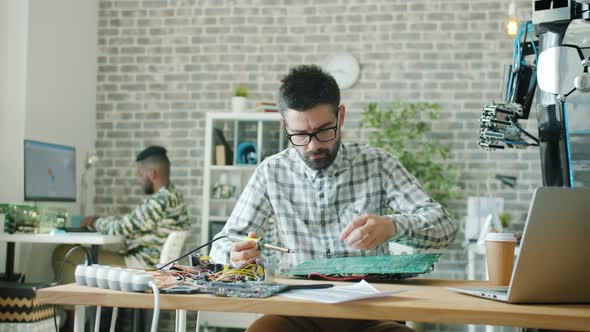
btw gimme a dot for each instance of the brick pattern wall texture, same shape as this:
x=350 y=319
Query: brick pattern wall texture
x=162 y=64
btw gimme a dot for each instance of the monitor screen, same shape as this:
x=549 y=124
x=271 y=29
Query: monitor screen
x=50 y=172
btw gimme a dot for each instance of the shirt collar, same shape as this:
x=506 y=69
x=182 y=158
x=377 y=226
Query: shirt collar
x=169 y=187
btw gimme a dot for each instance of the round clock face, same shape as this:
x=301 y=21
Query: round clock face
x=344 y=68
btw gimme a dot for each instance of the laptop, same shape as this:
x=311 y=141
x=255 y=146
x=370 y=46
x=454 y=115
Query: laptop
x=555 y=251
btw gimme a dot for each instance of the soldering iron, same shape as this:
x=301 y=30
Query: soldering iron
x=260 y=243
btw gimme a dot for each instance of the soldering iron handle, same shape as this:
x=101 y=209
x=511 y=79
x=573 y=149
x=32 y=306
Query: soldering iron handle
x=259 y=242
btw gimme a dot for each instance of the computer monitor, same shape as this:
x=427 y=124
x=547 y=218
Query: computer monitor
x=50 y=172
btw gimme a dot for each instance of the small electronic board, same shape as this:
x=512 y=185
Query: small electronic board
x=242 y=289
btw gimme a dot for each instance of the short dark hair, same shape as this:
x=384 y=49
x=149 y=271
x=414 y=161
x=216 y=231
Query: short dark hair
x=153 y=153
x=307 y=86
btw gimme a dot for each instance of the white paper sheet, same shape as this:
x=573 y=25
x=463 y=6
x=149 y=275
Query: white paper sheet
x=358 y=291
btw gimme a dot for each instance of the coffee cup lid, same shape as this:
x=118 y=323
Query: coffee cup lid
x=502 y=237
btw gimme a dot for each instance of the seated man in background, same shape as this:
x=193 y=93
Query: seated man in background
x=329 y=199
x=147 y=227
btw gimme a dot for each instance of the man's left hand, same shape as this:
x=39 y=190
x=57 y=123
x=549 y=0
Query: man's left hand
x=89 y=222
x=368 y=231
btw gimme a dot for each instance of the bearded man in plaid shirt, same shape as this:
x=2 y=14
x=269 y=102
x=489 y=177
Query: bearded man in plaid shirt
x=328 y=198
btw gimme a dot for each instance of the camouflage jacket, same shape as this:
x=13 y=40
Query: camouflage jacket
x=147 y=227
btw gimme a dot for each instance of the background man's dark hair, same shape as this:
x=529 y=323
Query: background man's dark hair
x=307 y=86
x=155 y=154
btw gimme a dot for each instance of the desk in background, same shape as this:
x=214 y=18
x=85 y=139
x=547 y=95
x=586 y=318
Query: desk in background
x=95 y=240
x=427 y=300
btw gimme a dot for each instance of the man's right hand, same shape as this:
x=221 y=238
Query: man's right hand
x=243 y=251
x=89 y=222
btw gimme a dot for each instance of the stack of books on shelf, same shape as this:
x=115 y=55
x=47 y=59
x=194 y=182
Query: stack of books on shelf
x=266 y=106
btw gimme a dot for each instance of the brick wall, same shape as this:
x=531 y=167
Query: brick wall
x=163 y=64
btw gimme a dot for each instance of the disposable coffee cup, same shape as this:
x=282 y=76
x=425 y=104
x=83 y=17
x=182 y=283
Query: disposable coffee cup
x=500 y=257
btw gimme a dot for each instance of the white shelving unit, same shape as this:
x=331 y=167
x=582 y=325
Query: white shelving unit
x=264 y=131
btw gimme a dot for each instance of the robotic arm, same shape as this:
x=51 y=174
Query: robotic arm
x=499 y=126
x=558 y=64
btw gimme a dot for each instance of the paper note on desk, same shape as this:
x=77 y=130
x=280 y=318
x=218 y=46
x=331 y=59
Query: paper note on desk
x=359 y=291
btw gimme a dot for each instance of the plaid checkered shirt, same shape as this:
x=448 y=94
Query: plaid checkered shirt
x=310 y=208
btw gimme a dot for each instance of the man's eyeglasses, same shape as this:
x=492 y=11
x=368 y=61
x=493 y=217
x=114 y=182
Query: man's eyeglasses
x=322 y=135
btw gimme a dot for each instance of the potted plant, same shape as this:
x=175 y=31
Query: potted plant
x=505 y=219
x=238 y=101
x=400 y=129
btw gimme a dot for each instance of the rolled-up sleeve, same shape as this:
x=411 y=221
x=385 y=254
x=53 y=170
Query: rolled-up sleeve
x=421 y=222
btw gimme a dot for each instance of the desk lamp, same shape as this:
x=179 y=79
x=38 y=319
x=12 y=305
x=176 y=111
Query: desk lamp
x=91 y=159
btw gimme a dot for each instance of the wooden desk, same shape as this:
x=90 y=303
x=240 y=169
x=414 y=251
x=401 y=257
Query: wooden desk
x=427 y=300
x=95 y=240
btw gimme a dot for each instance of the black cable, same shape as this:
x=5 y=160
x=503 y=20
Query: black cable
x=569 y=93
x=190 y=252
x=527 y=134
x=88 y=261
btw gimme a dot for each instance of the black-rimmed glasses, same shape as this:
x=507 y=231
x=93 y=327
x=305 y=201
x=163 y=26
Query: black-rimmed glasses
x=322 y=135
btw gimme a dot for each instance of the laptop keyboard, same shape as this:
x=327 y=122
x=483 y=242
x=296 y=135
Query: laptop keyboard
x=77 y=230
x=499 y=291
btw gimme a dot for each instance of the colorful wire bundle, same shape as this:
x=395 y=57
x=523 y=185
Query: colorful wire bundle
x=165 y=279
x=253 y=270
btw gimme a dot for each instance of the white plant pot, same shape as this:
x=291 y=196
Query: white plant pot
x=238 y=104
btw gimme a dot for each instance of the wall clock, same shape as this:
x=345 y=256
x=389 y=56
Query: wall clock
x=344 y=67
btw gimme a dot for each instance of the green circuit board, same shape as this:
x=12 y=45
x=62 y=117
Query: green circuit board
x=364 y=265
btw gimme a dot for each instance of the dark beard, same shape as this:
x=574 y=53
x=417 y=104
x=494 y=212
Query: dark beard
x=148 y=188
x=322 y=163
